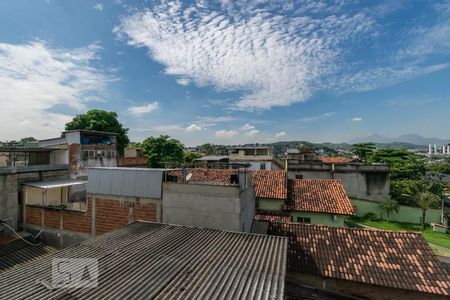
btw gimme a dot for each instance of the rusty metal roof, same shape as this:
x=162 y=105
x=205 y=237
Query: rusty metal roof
x=158 y=261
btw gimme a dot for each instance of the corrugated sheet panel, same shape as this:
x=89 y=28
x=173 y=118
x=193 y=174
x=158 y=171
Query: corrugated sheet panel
x=53 y=184
x=133 y=182
x=157 y=261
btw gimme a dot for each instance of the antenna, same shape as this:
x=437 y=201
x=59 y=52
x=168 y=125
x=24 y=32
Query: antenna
x=188 y=176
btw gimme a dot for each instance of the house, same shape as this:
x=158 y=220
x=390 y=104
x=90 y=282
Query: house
x=362 y=181
x=270 y=189
x=371 y=264
x=212 y=161
x=154 y=261
x=81 y=149
x=318 y=201
x=133 y=157
x=315 y=201
x=211 y=198
x=259 y=157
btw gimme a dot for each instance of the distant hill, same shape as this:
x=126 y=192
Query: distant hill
x=413 y=139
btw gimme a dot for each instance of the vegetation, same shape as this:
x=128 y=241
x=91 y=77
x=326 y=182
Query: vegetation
x=403 y=164
x=433 y=237
x=101 y=120
x=189 y=157
x=389 y=205
x=363 y=150
x=163 y=151
x=443 y=168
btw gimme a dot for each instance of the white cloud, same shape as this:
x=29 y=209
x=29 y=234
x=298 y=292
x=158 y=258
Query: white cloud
x=98 y=6
x=226 y=134
x=274 y=59
x=280 y=134
x=356 y=119
x=193 y=127
x=208 y=121
x=252 y=132
x=139 y=110
x=183 y=81
x=316 y=118
x=34 y=78
x=247 y=127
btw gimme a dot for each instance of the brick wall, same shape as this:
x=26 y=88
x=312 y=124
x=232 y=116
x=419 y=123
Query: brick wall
x=110 y=214
x=133 y=162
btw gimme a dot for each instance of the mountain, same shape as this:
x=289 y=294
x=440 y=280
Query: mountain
x=413 y=138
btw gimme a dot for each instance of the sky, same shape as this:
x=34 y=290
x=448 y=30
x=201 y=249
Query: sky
x=227 y=72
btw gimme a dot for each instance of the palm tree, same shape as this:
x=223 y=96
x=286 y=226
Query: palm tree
x=389 y=205
x=425 y=195
x=425 y=200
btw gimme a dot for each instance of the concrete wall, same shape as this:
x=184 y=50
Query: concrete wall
x=254 y=165
x=210 y=206
x=368 y=182
x=405 y=214
x=319 y=218
x=11 y=181
x=357 y=289
x=78 y=165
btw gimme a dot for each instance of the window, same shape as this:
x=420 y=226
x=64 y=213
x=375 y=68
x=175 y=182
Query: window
x=88 y=154
x=304 y=220
x=262 y=166
x=298 y=176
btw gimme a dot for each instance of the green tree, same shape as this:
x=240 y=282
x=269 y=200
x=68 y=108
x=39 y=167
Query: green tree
x=101 y=120
x=163 y=151
x=208 y=149
x=190 y=156
x=389 y=205
x=403 y=164
x=426 y=195
x=363 y=150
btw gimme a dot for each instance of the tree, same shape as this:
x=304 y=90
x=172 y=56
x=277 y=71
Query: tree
x=426 y=195
x=208 y=149
x=163 y=151
x=389 y=205
x=190 y=156
x=363 y=150
x=101 y=120
x=403 y=164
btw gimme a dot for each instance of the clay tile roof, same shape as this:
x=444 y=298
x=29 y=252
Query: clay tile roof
x=318 y=195
x=270 y=184
x=335 y=159
x=395 y=259
x=216 y=176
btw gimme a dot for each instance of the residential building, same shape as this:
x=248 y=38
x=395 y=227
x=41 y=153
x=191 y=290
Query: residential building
x=362 y=181
x=315 y=201
x=318 y=201
x=133 y=157
x=258 y=157
x=158 y=261
x=371 y=264
x=212 y=161
x=211 y=198
x=81 y=149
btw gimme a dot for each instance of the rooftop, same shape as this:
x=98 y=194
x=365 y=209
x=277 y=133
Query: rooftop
x=149 y=260
x=53 y=184
x=211 y=158
x=270 y=184
x=336 y=160
x=395 y=259
x=318 y=195
x=204 y=175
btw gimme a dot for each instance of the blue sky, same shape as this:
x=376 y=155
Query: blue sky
x=228 y=71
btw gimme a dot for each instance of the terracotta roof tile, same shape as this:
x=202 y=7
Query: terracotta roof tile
x=394 y=259
x=270 y=184
x=273 y=216
x=318 y=195
x=216 y=176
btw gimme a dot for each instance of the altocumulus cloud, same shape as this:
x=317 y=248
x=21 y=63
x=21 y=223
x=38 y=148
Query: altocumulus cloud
x=274 y=58
x=35 y=77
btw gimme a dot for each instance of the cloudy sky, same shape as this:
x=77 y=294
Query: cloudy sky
x=228 y=71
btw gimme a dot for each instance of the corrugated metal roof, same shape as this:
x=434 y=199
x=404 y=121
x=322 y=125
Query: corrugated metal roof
x=53 y=184
x=132 y=182
x=157 y=261
x=17 y=252
x=211 y=158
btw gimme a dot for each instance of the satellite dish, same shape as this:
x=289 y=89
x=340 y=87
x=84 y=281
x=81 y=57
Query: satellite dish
x=188 y=176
